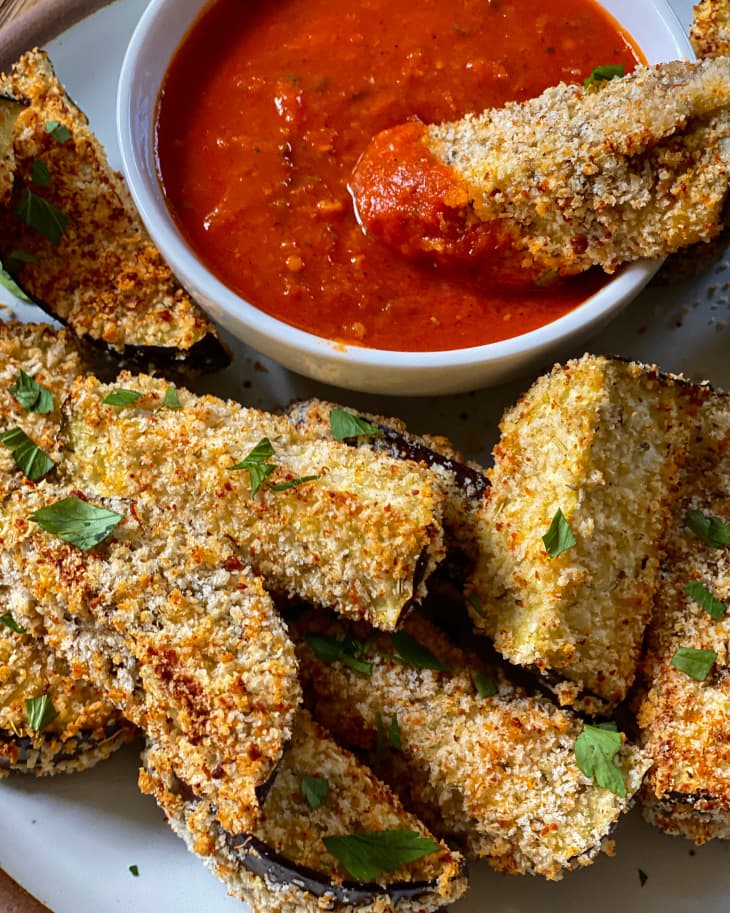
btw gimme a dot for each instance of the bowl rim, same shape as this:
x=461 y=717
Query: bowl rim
x=231 y=310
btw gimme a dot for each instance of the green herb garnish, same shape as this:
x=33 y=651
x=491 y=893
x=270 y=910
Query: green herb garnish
x=259 y=469
x=474 y=602
x=7 y=282
x=121 y=397
x=699 y=593
x=40 y=175
x=604 y=73
x=642 y=877
x=33 y=462
x=367 y=855
x=20 y=255
x=134 y=870
x=486 y=686
x=171 y=399
x=345 y=425
x=394 y=733
x=40 y=711
x=77 y=522
x=290 y=483
x=9 y=622
x=31 y=395
x=559 y=537
x=59 y=132
x=315 y=790
x=695 y=663
x=595 y=750
x=348 y=651
x=44 y=217
x=411 y=652
x=712 y=530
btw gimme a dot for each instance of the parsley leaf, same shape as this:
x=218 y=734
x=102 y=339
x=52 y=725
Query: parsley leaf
x=411 y=652
x=20 y=255
x=486 y=686
x=348 y=651
x=37 y=213
x=7 y=282
x=695 y=663
x=559 y=537
x=595 y=750
x=474 y=602
x=712 y=530
x=699 y=593
x=9 y=622
x=368 y=854
x=77 y=522
x=315 y=790
x=259 y=469
x=171 y=399
x=59 y=132
x=344 y=424
x=290 y=483
x=134 y=870
x=40 y=711
x=31 y=395
x=121 y=397
x=40 y=174
x=33 y=462
x=604 y=73
x=643 y=877
x=394 y=733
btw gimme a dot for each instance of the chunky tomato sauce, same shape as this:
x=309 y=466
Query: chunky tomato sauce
x=268 y=105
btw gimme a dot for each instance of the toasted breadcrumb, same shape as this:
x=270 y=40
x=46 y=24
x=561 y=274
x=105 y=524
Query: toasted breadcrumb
x=105 y=279
x=10 y=108
x=710 y=29
x=288 y=869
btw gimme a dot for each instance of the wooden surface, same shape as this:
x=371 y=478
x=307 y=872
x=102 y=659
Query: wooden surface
x=13 y=899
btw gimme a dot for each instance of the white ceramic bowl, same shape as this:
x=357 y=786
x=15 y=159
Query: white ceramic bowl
x=651 y=23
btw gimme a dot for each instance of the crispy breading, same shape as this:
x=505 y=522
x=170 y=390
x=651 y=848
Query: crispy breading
x=284 y=866
x=685 y=723
x=574 y=178
x=498 y=773
x=360 y=537
x=104 y=278
x=710 y=29
x=88 y=727
x=10 y=108
x=181 y=638
x=601 y=441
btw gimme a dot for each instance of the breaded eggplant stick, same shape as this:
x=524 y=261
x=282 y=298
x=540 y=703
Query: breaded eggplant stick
x=101 y=275
x=497 y=772
x=10 y=109
x=584 y=476
x=685 y=720
x=87 y=727
x=184 y=642
x=710 y=29
x=577 y=177
x=283 y=866
x=337 y=526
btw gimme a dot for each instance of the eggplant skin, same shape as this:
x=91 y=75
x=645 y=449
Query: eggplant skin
x=45 y=754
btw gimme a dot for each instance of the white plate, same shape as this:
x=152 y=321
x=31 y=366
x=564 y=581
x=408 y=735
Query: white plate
x=70 y=840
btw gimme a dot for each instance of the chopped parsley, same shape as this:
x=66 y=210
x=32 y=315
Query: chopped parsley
x=171 y=400
x=368 y=854
x=595 y=751
x=559 y=537
x=486 y=686
x=18 y=256
x=40 y=175
x=695 y=663
x=712 y=530
x=134 y=870
x=9 y=622
x=7 y=282
x=603 y=73
x=699 y=593
x=348 y=651
x=643 y=877
x=345 y=425
x=32 y=396
x=474 y=602
x=33 y=462
x=40 y=711
x=77 y=521
x=394 y=733
x=59 y=132
x=44 y=217
x=259 y=469
x=411 y=652
x=315 y=790
x=121 y=397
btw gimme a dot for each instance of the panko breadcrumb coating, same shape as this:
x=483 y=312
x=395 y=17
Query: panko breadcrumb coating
x=710 y=29
x=181 y=638
x=360 y=537
x=104 y=278
x=283 y=866
x=631 y=168
x=10 y=108
x=685 y=723
x=498 y=773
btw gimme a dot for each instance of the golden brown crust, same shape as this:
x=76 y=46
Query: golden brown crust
x=710 y=29
x=105 y=279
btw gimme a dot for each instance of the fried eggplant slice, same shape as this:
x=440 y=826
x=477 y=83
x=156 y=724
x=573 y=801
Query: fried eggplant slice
x=497 y=772
x=685 y=718
x=584 y=476
x=10 y=109
x=182 y=639
x=319 y=521
x=578 y=177
x=710 y=29
x=283 y=866
x=89 y=261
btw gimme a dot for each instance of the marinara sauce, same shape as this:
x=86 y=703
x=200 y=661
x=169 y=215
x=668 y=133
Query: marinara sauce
x=269 y=103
